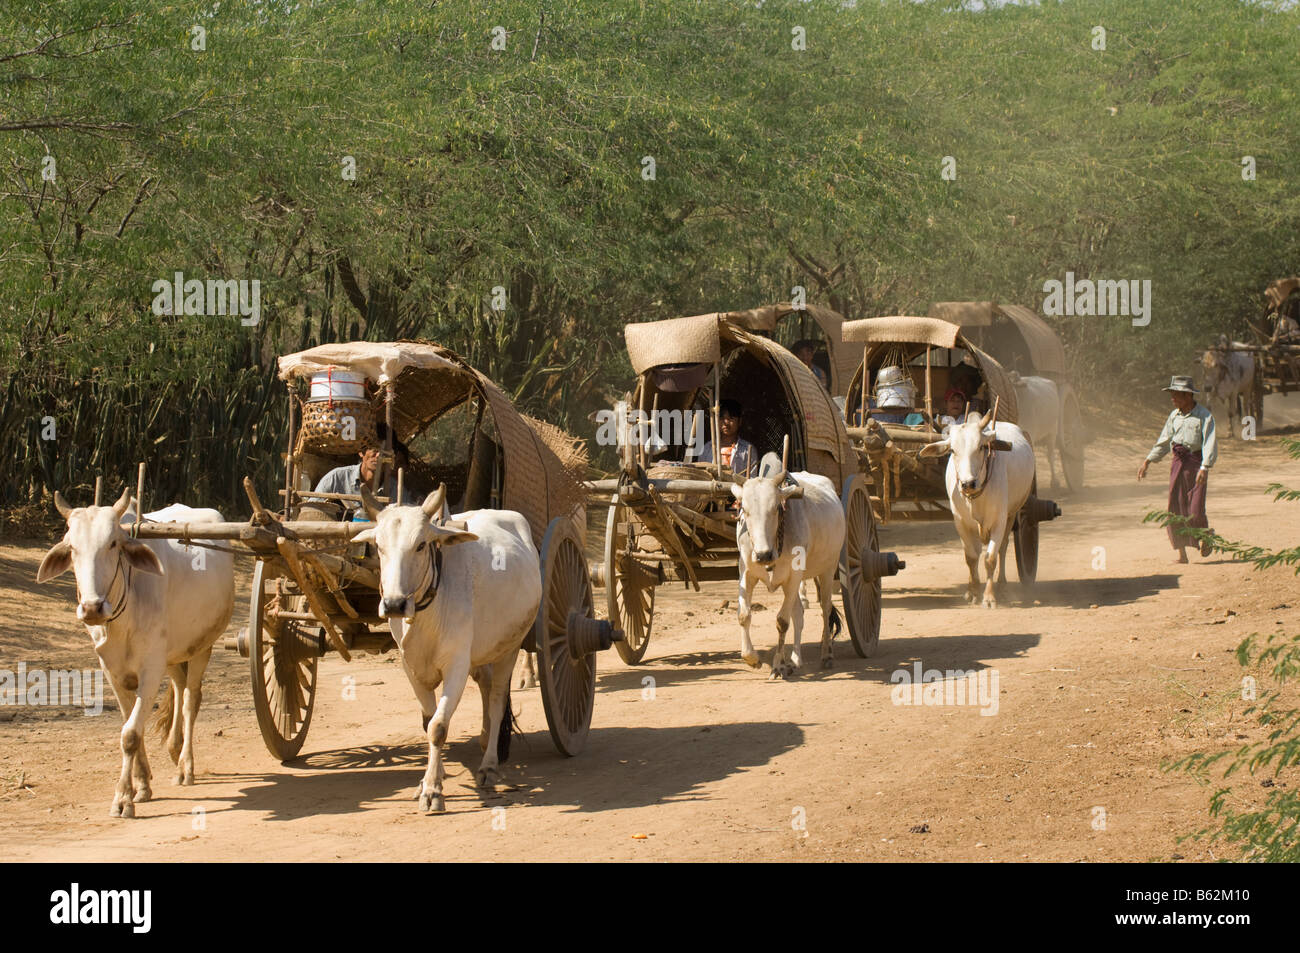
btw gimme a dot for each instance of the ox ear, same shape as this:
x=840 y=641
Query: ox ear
x=365 y=536
x=446 y=536
x=141 y=557
x=737 y=490
x=936 y=449
x=56 y=562
x=794 y=492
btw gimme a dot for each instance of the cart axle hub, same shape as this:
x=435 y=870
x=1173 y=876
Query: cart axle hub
x=588 y=636
x=877 y=565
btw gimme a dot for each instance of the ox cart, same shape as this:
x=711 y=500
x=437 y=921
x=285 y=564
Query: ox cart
x=314 y=591
x=1276 y=349
x=907 y=486
x=1022 y=342
x=669 y=518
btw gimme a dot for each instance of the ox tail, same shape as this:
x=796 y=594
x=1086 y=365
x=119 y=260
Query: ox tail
x=166 y=713
x=508 y=724
x=836 y=625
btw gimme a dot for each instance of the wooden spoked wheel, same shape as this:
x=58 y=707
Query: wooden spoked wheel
x=283 y=658
x=1025 y=532
x=859 y=591
x=629 y=587
x=567 y=680
x=1073 y=437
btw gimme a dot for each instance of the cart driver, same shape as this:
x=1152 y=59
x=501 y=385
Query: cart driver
x=737 y=452
x=349 y=479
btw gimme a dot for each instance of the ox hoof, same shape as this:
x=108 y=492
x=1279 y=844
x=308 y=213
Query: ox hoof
x=828 y=662
x=185 y=780
x=487 y=778
x=142 y=794
x=990 y=603
x=751 y=660
x=784 y=670
x=524 y=682
x=122 y=808
x=431 y=803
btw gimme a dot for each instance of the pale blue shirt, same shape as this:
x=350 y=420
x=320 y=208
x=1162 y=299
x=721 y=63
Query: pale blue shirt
x=1193 y=430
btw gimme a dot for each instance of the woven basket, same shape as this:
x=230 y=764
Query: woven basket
x=682 y=471
x=324 y=424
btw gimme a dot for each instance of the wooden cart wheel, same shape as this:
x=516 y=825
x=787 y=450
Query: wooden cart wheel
x=1073 y=437
x=859 y=591
x=568 y=683
x=283 y=658
x=629 y=591
x=1025 y=531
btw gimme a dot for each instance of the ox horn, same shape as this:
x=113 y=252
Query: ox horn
x=61 y=505
x=369 y=503
x=433 y=502
x=123 y=502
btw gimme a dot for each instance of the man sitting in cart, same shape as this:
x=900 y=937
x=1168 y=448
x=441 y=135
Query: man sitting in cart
x=806 y=351
x=737 y=452
x=349 y=479
x=967 y=379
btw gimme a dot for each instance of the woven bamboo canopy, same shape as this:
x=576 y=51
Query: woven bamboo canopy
x=1278 y=291
x=542 y=464
x=843 y=360
x=778 y=393
x=1008 y=331
x=911 y=335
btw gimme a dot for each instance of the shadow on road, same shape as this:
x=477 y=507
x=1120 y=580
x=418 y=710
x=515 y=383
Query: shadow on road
x=621 y=767
x=1078 y=593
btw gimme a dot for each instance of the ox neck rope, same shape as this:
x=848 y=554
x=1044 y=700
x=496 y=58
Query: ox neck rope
x=435 y=570
x=986 y=468
x=126 y=589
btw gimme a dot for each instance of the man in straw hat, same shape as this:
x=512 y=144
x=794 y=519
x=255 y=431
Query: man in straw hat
x=1190 y=432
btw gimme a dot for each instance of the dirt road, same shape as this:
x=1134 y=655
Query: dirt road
x=1116 y=662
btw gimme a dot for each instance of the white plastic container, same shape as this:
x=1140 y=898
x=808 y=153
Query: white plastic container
x=332 y=384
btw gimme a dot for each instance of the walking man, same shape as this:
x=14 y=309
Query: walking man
x=1189 y=431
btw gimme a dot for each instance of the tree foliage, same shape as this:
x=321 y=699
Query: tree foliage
x=524 y=168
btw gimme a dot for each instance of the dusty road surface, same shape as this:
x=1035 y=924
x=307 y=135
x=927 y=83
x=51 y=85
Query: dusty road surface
x=1116 y=662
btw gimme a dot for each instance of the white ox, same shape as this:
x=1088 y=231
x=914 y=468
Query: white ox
x=1039 y=402
x=151 y=608
x=1229 y=377
x=460 y=598
x=787 y=534
x=987 y=487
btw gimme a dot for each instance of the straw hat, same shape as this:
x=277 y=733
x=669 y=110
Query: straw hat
x=1183 y=383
